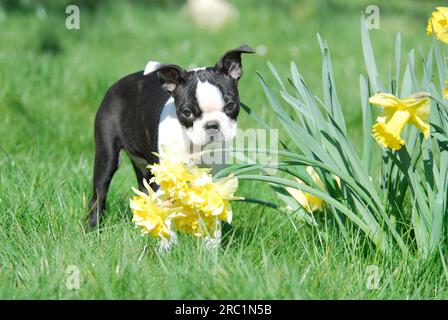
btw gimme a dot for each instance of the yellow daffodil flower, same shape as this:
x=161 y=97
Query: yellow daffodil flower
x=204 y=205
x=173 y=175
x=308 y=201
x=439 y=21
x=150 y=215
x=187 y=201
x=397 y=113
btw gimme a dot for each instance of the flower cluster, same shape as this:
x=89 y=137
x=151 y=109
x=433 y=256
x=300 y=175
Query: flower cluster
x=187 y=199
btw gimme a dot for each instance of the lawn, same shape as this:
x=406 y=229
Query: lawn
x=51 y=83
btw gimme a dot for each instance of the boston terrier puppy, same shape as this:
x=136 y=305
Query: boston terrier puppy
x=163 y=105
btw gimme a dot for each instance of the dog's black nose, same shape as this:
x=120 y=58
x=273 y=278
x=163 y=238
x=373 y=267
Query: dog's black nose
x=211 y=125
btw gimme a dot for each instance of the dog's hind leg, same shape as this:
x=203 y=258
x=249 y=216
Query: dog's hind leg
x=139 y=175
x=107 y=153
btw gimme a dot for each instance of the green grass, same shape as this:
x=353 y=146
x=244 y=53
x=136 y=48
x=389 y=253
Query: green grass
x=51 y=83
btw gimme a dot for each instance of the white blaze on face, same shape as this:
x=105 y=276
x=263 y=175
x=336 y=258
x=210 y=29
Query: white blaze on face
x=209 y=97
x=211 y=102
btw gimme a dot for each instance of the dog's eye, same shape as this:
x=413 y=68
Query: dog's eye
x=229 y=106
x=187 y=113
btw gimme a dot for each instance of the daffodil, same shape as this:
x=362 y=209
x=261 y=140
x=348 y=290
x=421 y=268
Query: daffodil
x=397 y=113
x=188 y=200
x=205 y=204
x=172 y=173
x=308 y=201
x=439 y=21
x=150 y=214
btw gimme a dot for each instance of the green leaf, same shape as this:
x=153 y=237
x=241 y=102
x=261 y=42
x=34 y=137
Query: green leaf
x=397 y=61
x=369 y=58
x=367 y=124
x=370 y=231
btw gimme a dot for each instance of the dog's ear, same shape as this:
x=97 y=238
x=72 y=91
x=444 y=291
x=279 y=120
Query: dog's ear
x=170 y=76
x=230 y=62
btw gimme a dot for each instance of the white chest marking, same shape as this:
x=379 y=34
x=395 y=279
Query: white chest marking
x=171 y=131
x=209 y=97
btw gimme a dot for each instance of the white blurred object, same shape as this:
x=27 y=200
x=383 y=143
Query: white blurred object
x=261 y=50
x=211 y=14
x=294 y=51
x=40 y=12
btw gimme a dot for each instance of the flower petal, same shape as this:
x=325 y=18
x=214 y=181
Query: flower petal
x=419 y=109
x=227 y=186
x=385 y=100
x=421 y=125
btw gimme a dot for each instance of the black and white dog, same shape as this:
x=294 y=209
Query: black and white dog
x=162 y=105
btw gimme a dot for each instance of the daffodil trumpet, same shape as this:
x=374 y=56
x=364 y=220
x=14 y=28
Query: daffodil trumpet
x=309 y=202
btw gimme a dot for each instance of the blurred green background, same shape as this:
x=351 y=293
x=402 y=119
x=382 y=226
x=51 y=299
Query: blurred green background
x=57 y=77
x=51 y=82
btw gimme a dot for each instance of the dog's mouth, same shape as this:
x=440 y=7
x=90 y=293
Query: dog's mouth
x=209 y=137
x=214 y=136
